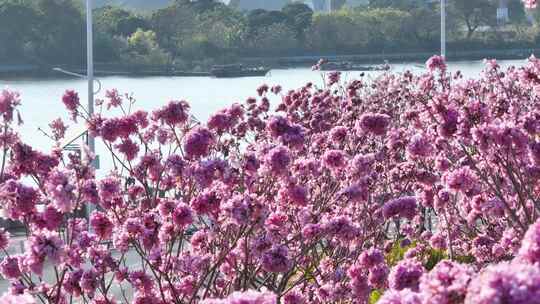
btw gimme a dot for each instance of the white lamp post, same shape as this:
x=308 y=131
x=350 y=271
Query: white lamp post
x=90 y=78
x=90 y=68
x=443 y=28
x=91 y=141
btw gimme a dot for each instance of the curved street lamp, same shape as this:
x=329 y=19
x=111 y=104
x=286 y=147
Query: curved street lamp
x=60 y=70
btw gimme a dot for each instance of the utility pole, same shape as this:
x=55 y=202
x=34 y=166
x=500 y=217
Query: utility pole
x=443 y=28
x=90 y=68
x=90 y=78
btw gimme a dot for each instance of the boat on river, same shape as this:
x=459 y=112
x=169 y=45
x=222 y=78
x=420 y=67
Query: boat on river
x=349 y=66
x=237 y=70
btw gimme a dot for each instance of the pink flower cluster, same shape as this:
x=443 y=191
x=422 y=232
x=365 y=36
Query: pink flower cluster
x=530 y=4
x=249 y=297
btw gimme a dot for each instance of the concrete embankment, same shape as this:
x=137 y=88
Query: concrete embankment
x=116 y=69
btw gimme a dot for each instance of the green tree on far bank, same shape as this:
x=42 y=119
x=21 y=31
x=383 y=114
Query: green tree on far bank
x=517 y=12
x=174 y=26
x=43 y=31
x=143 y=49
x=17 y=38
x=117 y=21
x=299 y=18
x=474 y=14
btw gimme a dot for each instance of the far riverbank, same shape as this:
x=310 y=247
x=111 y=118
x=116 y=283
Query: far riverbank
x=303 y=61
x=11 y=71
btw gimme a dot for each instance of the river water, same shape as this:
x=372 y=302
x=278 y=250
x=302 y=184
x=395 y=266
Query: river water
x=41 y=98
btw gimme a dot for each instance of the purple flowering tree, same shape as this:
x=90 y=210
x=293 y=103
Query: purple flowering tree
x=402 y=189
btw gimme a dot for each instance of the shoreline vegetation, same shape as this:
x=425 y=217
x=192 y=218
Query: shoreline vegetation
x=189 y=37
x=133 y=70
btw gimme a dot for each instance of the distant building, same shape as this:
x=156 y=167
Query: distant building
x=356 y=3
x=319 y=5
x=502 y=12
x=247 y=5
x=332 y=5
x=316 y=5
x=134 y=4
x=322 y=5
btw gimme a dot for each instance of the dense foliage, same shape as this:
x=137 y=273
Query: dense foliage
x=43 y=30
x=202 y=32
x=401 y=189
